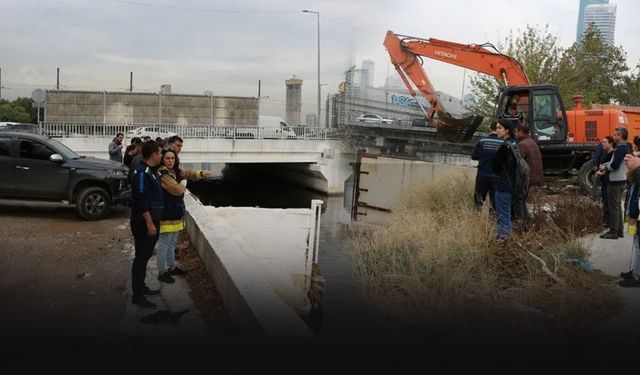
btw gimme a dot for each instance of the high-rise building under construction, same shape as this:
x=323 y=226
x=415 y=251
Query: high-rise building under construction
x=294 y=101
x=368 y=67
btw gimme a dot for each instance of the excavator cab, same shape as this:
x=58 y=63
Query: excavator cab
x=540 y=107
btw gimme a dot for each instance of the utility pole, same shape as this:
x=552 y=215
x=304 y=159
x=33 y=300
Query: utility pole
x=58 y=79
x=318 y=17
x=131 y=82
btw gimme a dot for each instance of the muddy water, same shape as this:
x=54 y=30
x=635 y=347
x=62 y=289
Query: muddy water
x=344 y=311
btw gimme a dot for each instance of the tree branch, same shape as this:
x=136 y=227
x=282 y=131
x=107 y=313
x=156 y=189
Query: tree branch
x=546 y=270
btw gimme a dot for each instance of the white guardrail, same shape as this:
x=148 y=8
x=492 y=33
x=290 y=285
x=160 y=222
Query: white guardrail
x=184 y=131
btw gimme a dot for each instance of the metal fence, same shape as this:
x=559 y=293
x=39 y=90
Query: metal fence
x=185 y=131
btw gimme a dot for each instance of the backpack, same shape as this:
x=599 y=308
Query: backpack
x=521 y=186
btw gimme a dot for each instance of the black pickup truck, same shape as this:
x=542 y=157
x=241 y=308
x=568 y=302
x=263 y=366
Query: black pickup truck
x=39 y=168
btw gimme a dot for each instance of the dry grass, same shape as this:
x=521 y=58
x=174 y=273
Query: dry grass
x=437 y=266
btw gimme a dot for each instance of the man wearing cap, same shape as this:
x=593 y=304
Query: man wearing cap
x=617 y=172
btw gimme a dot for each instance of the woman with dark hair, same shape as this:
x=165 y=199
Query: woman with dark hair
x=172 y=222
x=132 y=150
x=504 y=166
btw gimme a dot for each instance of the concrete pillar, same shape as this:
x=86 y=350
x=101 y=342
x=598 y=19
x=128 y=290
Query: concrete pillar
x=335 y=169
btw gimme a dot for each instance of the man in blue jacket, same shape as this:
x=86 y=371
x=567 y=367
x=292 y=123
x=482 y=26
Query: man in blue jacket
x=617 y=173
x=484 y=152
x=146 y=211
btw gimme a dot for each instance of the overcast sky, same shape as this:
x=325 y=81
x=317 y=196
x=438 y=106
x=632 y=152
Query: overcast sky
x=227 y=46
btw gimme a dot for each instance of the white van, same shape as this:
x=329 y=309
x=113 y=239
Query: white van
x=275 y=127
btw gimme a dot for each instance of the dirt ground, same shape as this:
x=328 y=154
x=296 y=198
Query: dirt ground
x=203 y=291
x=63 y=276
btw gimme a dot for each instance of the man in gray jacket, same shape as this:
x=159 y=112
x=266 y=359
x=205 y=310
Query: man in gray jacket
x=115 y=148
x=617 y=172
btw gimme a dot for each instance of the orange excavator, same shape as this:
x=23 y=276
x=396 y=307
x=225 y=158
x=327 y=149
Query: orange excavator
x=566 y=138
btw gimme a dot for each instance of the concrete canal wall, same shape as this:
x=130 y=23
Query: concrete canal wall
x=260 y=261
x=384 y=179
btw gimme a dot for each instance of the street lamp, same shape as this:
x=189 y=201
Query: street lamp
x=318 y=17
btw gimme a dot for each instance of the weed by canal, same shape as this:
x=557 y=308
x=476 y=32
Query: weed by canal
x=437 y=268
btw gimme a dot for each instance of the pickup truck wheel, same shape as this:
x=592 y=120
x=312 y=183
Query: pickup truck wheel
x=587 y=179
x=93 y=203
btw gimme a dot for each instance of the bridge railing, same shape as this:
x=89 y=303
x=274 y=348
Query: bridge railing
x=203 y=131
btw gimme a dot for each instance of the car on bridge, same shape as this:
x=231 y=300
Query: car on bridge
x=150 y=131
x=420 y=121
x=19 y=127
x=22 y=127
x=374 y=119
x=36 y=168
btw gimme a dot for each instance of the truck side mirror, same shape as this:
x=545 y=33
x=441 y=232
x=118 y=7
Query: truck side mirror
x=56 y=158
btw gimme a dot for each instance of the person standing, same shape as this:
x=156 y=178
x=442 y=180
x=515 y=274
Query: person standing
x=631 y=209
x=115 y=148
x=132 y=150
x=504 y=166
x=147 y=207
x=175 y=143
x=530 y=152
x=172 y=219
x=631 y=278
x=617 y=172
x=484 y=152
x=604 y=156
x=136 y=160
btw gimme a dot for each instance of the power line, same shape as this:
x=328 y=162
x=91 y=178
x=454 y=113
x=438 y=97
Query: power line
x=334 y=20
x=205 y=9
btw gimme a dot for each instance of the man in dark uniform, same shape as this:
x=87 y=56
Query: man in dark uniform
x=484 y=152
x=146 y=212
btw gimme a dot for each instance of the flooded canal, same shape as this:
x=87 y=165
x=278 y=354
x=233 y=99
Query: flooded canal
x=345 y=310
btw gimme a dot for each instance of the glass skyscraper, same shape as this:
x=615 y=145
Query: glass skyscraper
x=600 y=13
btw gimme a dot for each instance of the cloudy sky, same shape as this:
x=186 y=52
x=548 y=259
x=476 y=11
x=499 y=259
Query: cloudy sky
x=227 y=46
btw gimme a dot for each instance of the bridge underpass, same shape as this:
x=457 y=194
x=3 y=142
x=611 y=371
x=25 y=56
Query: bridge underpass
x=317 y=164
x=313 y=159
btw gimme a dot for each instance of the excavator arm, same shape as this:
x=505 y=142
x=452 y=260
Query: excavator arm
x=405 y=53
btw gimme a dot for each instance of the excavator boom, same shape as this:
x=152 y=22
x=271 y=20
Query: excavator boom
x=405 y=52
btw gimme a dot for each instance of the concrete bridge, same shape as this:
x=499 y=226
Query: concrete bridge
x=403 y=140
x=314 y=158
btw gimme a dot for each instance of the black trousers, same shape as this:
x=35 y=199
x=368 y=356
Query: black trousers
x=614 y=206
x=485 y=185
x=144 y=245
x=520 y=216
x=605 y=201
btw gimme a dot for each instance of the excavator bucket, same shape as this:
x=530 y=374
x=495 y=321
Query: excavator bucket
x=458 y=129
